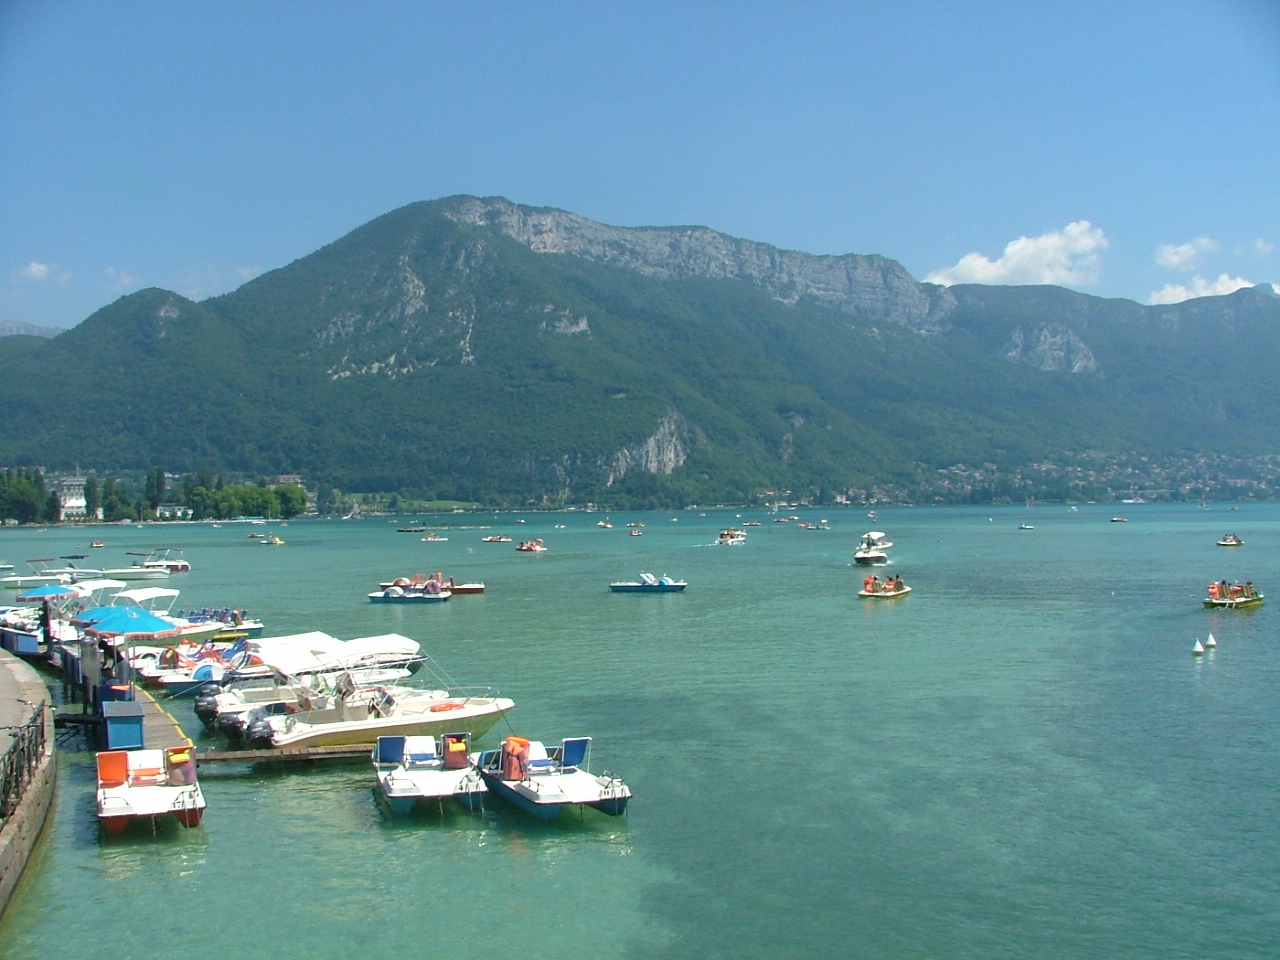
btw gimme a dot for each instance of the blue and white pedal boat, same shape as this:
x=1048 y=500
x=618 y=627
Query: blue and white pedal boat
x=648 y=583
x=413 y=768
x=524 y=774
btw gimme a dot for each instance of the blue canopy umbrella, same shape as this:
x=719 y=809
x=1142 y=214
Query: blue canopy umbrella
x=87 y=618
x=49 y=591
x=133 y=623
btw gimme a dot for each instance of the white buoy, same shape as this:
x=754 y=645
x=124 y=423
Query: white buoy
x=1211 y=642
x=1198 y=649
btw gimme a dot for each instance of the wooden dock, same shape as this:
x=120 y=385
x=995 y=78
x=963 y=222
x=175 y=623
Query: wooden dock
x=159 y=728
x=287 y=755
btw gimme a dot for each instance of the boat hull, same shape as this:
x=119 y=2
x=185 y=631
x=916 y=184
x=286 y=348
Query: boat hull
x=540 y=797
x=404 y=790
x=1233 y=603
x=631 y=587
x=440 y=597
x=881 y=595
x=477 y=721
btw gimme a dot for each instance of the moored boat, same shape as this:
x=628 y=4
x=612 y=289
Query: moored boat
x=496 y=538
x=137 y=784
x=360 y=716
x=541 y=783
x=412 y=769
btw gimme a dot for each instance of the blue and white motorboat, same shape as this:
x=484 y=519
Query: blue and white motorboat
x=413 y=768
x=524 y=774
x=648 y=583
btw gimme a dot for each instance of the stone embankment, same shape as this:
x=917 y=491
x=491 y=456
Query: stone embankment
x=21 y=692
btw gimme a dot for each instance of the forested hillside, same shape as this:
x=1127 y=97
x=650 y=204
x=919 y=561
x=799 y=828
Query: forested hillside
x=480 y=351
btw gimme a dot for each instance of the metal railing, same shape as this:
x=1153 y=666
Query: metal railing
x=21 y=760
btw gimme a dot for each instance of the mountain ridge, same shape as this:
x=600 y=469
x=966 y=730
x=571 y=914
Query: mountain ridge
x=476 y=349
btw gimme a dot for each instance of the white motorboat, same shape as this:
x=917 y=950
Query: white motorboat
x=140 y=570
x=136 y=784
x=42 y=572
x=543 y=783
x=361 y=715
x=732 y=537
x=871 y=548
x=165 y=559
x=299 y=671
x=412 y=769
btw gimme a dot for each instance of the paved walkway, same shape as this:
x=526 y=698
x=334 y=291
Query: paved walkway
x=20 y=690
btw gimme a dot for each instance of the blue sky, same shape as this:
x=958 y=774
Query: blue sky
x=1122 y=149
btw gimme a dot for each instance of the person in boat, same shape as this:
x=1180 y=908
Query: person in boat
x=897 y=583
x=1248 y=588
x=866 y=584
x=1213 y=591
x=875 y=584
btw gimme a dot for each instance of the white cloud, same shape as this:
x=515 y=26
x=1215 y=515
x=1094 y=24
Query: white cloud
x=1184 y=255
x=120 y=281
x=1198 y=287
x=1261 y=246
x=35 y=271
x=1066 y=256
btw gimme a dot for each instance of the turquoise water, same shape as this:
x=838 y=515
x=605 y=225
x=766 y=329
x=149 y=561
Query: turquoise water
x=1021 y=759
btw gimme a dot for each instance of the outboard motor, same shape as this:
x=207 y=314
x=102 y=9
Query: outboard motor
x=232 y=725
x=207 y=703
x=258 y=727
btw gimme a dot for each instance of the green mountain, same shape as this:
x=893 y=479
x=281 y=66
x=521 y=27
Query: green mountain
x=478 y=350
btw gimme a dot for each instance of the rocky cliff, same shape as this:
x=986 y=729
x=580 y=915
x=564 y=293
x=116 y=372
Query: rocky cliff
x=872 y=287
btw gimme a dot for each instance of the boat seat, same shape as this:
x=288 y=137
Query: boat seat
x=390 y=750
x=539 y=762
x=648 y=578
x=146 y=767
x=574 y=751
x=419 y=751
x=113 y=768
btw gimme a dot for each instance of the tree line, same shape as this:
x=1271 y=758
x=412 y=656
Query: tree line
x=26 y=498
